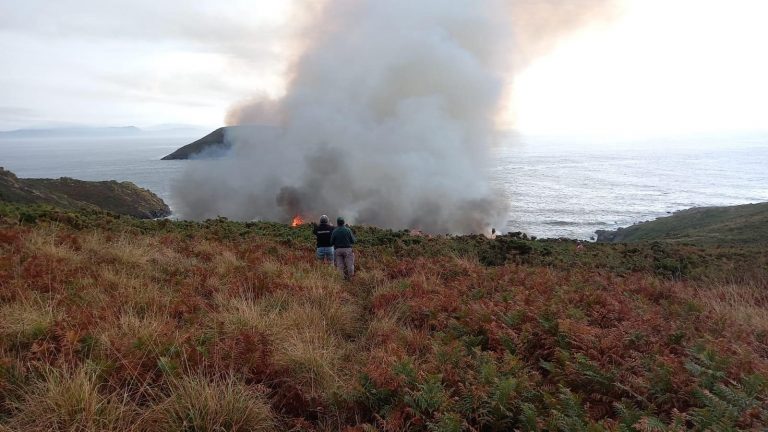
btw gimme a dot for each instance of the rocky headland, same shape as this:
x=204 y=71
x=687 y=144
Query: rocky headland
x=220 y=141
x=117 y=197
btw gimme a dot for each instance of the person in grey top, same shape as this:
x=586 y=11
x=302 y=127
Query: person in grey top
x=342 y=240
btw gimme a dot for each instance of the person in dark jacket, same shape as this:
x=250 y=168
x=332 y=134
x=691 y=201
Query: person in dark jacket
x=323 y=234
x=342 y=240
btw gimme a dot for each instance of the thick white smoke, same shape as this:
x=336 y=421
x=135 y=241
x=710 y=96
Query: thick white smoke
x=387 y=119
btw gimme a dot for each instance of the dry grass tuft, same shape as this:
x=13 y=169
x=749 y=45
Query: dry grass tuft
x=26 y=319
x=739 y=302
x=142 y=331
x=45 y=242
x=226 y=263
x=136 y=291
x=123 y=250
x=243 y=313
x=199 y=404
x=69 y=400
x=311 y=332
x=271 y=268
x=316 y=361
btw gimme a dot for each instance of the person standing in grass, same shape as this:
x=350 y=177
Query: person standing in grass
x=342 y=240
x=323 y=234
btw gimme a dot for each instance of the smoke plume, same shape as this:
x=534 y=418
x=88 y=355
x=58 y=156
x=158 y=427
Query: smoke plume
x=388 y=116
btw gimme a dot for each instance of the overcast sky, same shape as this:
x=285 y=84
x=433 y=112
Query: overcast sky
x=137 y=62
x=665 y=66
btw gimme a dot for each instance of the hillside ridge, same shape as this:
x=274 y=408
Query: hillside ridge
x=67 y=193
x=741 y=224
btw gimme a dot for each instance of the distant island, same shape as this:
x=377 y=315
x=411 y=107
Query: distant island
x=222 y=139
x=117 y=197
x=163 y=130
x=741 y=224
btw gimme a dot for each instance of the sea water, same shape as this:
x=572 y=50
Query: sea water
x=556 y=187
x=560 y=187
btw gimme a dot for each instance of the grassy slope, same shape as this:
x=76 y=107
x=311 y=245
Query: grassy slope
x=118 y=197
x=110 y=323
x=744 y=224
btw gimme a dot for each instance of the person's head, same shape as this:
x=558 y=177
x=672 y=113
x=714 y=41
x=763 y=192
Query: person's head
x=323 y=219
x=340 y=221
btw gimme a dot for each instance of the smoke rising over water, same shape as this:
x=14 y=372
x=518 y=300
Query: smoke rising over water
x=387 y=119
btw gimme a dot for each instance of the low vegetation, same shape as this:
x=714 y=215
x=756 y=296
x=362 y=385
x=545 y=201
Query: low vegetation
x=113 y=323
x=743 y=224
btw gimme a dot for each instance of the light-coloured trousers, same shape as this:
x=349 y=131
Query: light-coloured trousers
x=345 y=261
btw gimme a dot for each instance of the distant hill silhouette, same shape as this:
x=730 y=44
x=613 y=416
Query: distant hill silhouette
x=101 y=132
x=73 y=132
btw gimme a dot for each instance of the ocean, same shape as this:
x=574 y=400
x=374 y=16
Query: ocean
x=556 y=187
x=571 y=188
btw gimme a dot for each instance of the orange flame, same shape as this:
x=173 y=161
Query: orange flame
x=297 y=220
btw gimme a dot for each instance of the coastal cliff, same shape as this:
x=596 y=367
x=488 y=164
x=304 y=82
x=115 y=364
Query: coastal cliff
x=117 y=197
